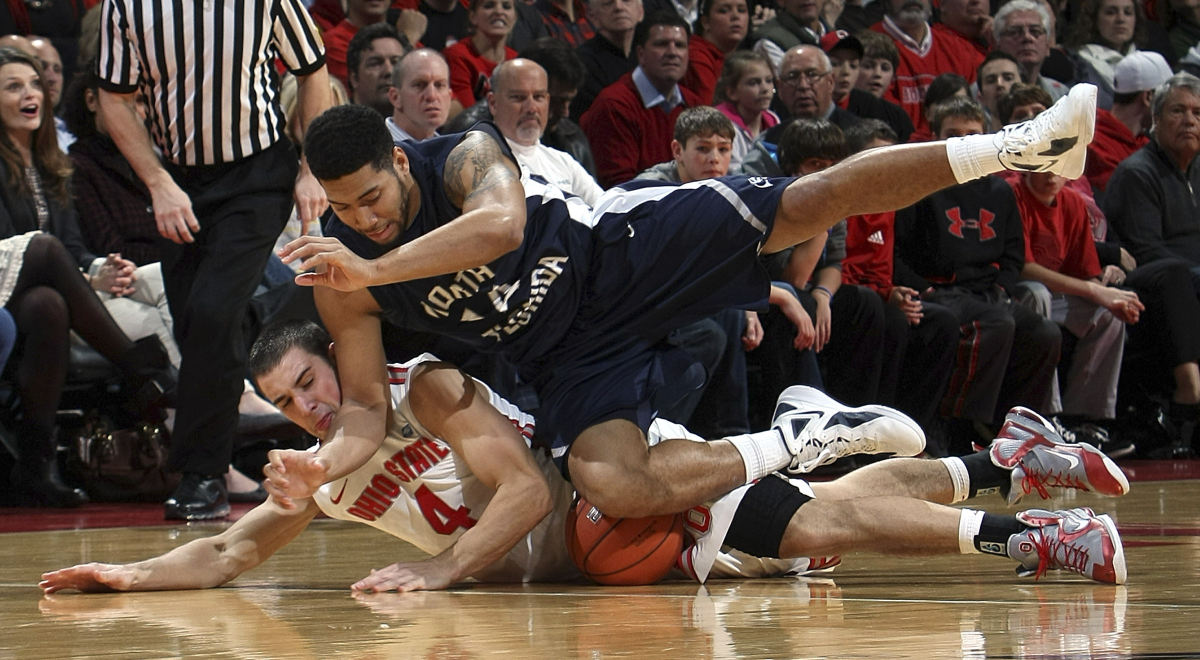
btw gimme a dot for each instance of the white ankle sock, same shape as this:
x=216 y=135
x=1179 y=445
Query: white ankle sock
x=958 y=477
x=968 y=528
x=762 y=453
x=973 y=156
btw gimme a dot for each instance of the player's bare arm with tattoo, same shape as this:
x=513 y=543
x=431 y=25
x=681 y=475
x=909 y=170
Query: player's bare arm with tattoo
x=479 y=179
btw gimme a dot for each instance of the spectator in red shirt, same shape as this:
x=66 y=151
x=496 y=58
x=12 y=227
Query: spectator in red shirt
x=924 y=54
x=1063 y=283
x=359 y=14
x=722 y=26
x=1125 y=128
x=631 y=123
x=472 y=60
x=565 y=20
x=969 y=19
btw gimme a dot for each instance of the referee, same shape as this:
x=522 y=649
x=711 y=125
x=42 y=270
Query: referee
x=224 y=194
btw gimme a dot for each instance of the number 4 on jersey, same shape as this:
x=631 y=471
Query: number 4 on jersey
x=442 y=518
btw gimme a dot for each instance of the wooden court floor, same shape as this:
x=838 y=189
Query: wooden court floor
x=297 y=605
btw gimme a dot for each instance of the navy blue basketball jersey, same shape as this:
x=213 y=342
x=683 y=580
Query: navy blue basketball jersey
x=520 y=303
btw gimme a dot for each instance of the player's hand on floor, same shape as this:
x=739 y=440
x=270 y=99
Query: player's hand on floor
x=406 y=576
x=293 y=475
x=88 y=578
x=328 y=262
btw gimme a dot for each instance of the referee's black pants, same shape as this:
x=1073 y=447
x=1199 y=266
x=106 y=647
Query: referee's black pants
x=242 y=207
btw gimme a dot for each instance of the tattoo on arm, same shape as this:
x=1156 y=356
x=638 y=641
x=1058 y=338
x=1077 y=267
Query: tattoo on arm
x=475 y=167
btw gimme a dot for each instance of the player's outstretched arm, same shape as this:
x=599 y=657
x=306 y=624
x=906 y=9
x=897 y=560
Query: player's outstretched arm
x=199 y=564
x=486 y=185
x=359 y=427
x=451 y=406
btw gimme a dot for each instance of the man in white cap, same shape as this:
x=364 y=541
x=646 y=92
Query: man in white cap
x=1125 y=128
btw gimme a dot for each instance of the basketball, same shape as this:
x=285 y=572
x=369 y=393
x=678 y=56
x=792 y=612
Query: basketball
x=623 y=551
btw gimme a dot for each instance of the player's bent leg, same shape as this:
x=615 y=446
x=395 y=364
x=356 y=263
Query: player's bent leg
x=611 y=466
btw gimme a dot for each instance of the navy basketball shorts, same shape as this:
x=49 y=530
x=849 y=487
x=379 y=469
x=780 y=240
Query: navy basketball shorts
x=663 y=257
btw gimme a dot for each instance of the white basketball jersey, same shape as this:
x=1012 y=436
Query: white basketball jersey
x=415 y=489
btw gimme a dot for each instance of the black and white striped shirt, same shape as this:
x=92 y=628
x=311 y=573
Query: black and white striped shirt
x=207 y=69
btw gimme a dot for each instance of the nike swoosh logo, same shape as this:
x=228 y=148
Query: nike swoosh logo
x=341 y=492
x=1072 y=459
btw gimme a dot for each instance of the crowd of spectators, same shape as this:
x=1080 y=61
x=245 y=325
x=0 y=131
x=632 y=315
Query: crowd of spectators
x=1077 y=298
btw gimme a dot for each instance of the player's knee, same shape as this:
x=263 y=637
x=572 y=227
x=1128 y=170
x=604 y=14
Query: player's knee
x=763 y=517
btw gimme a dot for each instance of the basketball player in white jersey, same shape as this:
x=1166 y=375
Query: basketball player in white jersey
x=456 y=478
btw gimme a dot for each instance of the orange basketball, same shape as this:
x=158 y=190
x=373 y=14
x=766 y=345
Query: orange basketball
x=623 y=550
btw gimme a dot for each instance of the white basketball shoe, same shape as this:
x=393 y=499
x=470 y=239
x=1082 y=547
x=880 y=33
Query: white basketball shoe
x=1054 y=141
x=818 y=430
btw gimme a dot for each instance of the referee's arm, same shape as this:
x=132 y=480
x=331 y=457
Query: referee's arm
x=172 y=206
x=313 y=98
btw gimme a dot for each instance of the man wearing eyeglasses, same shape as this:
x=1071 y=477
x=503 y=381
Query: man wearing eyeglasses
x=1022 y=29
x=805 y=91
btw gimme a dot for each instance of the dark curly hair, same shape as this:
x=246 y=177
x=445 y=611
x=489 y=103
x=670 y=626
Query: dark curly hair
x=344 y=138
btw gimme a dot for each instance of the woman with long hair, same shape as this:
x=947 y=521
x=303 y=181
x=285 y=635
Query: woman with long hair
x=44 y=290
x=1104 y=33
x=473 y=59
x=721 y=27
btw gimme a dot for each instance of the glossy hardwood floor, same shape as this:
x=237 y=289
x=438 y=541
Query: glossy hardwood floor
x=297 y=605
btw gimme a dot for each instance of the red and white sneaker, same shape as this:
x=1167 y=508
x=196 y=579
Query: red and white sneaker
x=1075 y=540
x=1039 y=459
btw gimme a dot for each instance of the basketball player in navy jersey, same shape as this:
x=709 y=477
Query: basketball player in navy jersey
x=445 y=239
x=456 y=478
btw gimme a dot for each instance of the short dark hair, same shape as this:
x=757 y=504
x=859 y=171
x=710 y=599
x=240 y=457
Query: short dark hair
x=702 y=120
x=559 y=59
x=1021 y=94
x=810 y=138
x=955 y=106
x=344 y=138
x=279 y=337
x=363 y=39
x=642 y=32
x=80 y=120
x=943 y=87
x=992 y=57
x=867 y=130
